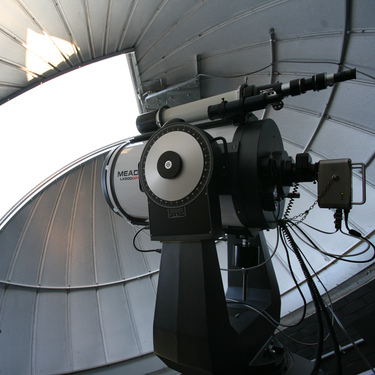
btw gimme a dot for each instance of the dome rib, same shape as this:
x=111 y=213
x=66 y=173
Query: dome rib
x=93 y=319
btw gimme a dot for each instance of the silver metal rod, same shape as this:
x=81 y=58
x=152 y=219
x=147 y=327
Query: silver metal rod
x=79 y=287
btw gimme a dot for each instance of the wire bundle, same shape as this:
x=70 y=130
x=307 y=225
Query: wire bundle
x=286 y=226
x=289 y=227
x=320 y=307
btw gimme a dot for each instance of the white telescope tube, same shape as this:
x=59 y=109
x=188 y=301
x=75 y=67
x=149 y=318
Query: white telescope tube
x=197 y=110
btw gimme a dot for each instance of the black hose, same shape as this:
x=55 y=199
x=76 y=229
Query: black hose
x=319 y=306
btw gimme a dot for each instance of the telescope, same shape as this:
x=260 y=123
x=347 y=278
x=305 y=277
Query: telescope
x=208 y=170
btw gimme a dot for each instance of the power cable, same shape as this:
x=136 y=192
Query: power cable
x=319 y=307
x=319 y=352
x=297 y=285
x=271 y=320
x=337 y=256
x=141 y=250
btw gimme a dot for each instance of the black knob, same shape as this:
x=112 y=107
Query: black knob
x=169 y=165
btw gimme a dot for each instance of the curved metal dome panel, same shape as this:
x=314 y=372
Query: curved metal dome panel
x=74 y=293
x=65 y=250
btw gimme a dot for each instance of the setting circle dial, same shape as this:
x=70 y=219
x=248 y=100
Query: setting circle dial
x=176 y=165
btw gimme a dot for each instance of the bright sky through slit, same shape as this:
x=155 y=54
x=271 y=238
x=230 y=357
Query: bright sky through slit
x=48 y=127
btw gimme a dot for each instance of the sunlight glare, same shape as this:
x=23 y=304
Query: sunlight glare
x=43 y=52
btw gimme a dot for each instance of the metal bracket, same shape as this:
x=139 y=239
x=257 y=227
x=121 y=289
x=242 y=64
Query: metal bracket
x=362 y=167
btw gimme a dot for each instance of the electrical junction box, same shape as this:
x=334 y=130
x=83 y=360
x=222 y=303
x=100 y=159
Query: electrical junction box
x=335 y=184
